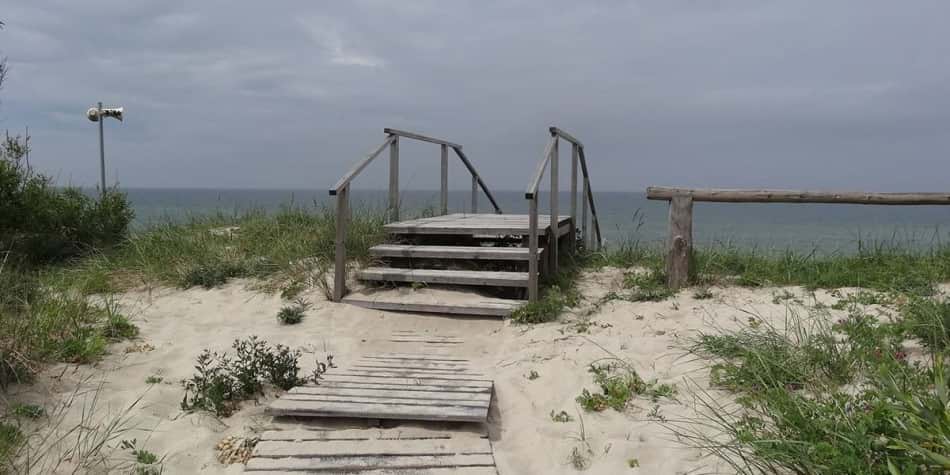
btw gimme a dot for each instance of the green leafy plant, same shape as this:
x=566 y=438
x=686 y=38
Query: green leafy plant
x=293 y=314
x=561 y=416
x=29 y=411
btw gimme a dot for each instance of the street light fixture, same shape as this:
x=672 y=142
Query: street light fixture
x=98 y=114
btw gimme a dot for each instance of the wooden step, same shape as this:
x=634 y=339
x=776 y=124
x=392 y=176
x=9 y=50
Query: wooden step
x=452 y=252
x=438 y=276
x=477 y=224
x=489 y=308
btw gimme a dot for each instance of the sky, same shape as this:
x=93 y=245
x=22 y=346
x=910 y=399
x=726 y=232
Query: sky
x=715 y=93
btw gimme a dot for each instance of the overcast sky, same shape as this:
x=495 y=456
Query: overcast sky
x=289 y=94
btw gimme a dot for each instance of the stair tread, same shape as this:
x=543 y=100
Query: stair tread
x=484 y=306
x=440 y=276
x=451 y=252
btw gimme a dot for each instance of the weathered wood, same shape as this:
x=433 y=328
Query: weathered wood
x=286 y=407
x=394 y=179
x=590 y=197
x=680 y=242
x=415 y=356
x=340 y=448
x=377 y=365
x=565 y=136
x=478 y=224
x=450 y=252
x=474 y=194
x=424 y=138
x=415 y=386
x=439 y=276
x=533 y=248
x=392 y=380
x=398 y=433
x=585 y=232
x=361 y=463
x=403 y=401
x=553 y=239
x=387 y=471
x=793 y=196
x=444 y=195
x=478 y=178
x=535 y=182
x=359 y=167
x=573 y=231
x=487 y=309
x=481 y=398
x=339 y=270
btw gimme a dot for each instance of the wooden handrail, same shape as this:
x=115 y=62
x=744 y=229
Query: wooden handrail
x=566 y=136
x=539 y=173
x=590 y=198
x=793 y=196
x=476 y=179
x=360 y=166
x=424 y=138
x=342 y=192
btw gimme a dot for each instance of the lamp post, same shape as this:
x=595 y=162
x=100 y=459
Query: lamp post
x=98 y=114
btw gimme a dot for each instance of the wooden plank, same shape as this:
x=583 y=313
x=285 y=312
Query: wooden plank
x=444 y=191
x=409 y=381
x=481 y=397
x=415 y=356
x=680 y=241
x=359 y=167
x=360 y=463
x=394 y=179
x=343 y=448
x=438 y=276
x=398 y=433
x=585 y=232
x=477 y=178
x=386 y=471
x=416 y=386
x=474 y=194
x=532 y=190
x=533 y=249
x=414 y=375
x=426 y=339
x=423 y=138
x=350 y=399
x=565 y=136
x=573 y=228
x=450 y=252
x=796 y=196
x=339 y=266
x=409 y=365
x=286 y=407
x=487 y=309
x=473 y=225
x=590 y=196
x=554 y=239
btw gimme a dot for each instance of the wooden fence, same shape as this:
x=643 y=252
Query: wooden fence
x=680 y=243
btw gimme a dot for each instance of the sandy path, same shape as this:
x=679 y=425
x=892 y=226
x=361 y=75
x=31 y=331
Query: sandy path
x=179 y=324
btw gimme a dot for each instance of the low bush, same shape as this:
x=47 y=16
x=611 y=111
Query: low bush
x=619 y=383
x=222 y=381
x=293 y=314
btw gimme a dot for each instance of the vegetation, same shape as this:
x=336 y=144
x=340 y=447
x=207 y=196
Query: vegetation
x=222 y=380
x=293 y=314
x=813 y=397
x=619 y=383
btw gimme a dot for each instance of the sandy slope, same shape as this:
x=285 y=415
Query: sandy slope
x=179 y=324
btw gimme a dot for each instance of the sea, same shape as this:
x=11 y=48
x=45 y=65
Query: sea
x=625 y=217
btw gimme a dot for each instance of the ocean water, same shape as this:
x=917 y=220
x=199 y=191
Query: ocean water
x=822 y=228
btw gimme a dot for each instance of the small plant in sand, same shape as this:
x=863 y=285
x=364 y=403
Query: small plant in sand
x=703 y=293
x=153 y=379
x=223 y=380
x=235 y=449
x=29 y=411
x=561 y=416
x=293 y=314
x=321 y=368
x=633 y=462
x=532 y=375
x=146 y=462
x=619 y=383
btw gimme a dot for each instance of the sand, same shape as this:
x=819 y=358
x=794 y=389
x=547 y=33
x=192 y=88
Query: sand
x=176 y=325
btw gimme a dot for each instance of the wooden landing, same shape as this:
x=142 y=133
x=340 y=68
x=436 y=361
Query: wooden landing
x=402 y=386
x=401 y=450
x=472 y=224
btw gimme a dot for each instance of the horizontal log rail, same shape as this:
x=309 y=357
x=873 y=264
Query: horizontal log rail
x=794 y=196
x=551 y=158
x=680 y=241
x=342 y=192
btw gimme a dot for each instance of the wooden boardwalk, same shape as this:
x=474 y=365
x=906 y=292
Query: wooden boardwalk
x=477 y=224
x=404 y=386
x=392 y=451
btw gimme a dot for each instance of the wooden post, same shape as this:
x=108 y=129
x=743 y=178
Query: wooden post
x=445 y=179
x=585 y=232
x=573 y=237
x=533 y=249
x=474 y=194
x=394 y=180
x=553 y=242
x=681 y=241
x=339 y=270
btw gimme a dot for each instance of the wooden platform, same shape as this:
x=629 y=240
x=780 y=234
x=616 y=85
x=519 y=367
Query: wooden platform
x=472 y=224
x=402 y=386
x=401 y=450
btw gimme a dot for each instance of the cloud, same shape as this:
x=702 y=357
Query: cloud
x=243 y=94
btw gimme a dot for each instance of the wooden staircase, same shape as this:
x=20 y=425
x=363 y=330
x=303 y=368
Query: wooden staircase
x=494 y=259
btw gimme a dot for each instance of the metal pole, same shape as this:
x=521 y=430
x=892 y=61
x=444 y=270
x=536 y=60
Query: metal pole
x=102 y=153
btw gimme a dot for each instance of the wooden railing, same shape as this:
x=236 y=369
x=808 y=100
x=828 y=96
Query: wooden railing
x=680 y=243
x=342 y=192
x=552 y=157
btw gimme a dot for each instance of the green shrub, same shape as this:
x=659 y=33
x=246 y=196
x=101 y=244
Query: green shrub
x=929 y=321
x=29 y=411
x=293 y=314
x=223 y=380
